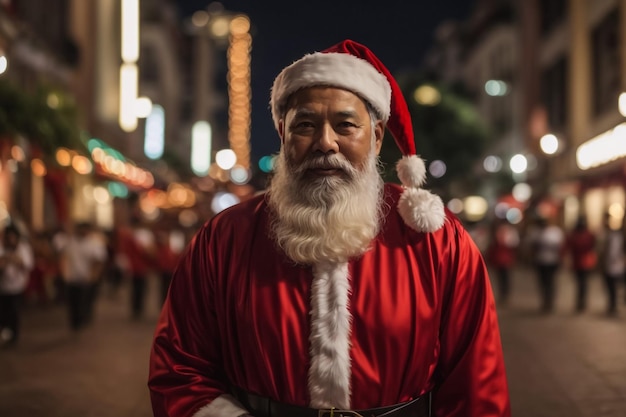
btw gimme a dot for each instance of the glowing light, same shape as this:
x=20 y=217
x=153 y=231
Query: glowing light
x=522 y=192
x=239 y=175
x=226 y=159
x=455 y=205
x=154 y=136
x=496 y=88
x=518 y=163
x=53 y=101
x=17 y=153
x=492 y=163
x=143 y=107
x=621 y=103
x=4 y=64
x=101 y=195
x=128 y=96
x=220 y=27
x=38 y=167
x=437 y=168
x=475 y=207
x=223 y=200
x=130 y=30
x=201 y=137
x=549 y=144
x=200 y=18
x=266 y=163
x=81 y=164
x=602 y=149
x=117 y=189
x=514 y=215
x=187 y=218
x=427 y=95
x=63 y=157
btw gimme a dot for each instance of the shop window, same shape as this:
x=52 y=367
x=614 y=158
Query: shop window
x=552 y=13
x=606 y=63
x=554 y=93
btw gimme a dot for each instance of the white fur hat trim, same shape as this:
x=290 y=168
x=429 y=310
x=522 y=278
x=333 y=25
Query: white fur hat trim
x=334 y=70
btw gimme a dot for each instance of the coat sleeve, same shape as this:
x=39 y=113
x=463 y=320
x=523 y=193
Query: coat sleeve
x=471 y=379
x=186 y=377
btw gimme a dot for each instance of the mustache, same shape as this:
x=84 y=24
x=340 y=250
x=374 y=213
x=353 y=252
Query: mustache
x=333 y=161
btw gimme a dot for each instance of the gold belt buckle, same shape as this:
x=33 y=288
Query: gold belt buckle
x=333 y=412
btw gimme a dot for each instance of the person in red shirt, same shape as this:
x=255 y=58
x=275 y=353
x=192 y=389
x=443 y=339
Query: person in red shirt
x=502 y=254
x=166 y=260
x=136 y=245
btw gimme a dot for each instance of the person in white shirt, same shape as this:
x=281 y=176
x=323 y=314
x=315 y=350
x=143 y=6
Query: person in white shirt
x=83 y=258
x=548 y=245
x=16 y=262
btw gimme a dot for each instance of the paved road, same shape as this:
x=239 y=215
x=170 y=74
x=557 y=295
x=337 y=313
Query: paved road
x=562 y=364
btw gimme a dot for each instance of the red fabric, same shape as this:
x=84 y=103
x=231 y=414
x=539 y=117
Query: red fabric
x=581 y=245
x=166 y=259
x=502 y=253
x=399 y=124
x=423 y=318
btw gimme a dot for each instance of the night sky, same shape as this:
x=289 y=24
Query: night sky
x=397 y=31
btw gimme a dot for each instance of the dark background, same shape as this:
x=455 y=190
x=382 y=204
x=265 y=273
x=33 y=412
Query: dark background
x=399 y=32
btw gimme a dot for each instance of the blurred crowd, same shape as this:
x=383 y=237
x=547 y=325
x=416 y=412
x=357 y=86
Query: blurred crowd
x=74 y=265
x=549 y=249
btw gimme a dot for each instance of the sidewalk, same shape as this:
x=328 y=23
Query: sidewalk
x=564 y=364
x=559 y=365
x=100 y=372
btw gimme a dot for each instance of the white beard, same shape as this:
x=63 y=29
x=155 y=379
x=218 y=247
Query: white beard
x=327 y=219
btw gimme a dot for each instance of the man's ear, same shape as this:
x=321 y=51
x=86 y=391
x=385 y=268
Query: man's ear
x=379 y=132
x=281 y=131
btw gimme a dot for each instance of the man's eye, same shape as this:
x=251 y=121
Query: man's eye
x=346 y=125
x=303 y=125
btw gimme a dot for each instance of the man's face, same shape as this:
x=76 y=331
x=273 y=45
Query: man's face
x=325 y=121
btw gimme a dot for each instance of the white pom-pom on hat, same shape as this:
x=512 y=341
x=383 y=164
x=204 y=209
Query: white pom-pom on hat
x=420 y=209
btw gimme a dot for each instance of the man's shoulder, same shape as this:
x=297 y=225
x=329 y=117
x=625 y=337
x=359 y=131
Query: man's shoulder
x=241 y=214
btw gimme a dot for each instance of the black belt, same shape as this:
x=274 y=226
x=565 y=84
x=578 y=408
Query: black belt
x=265 y=407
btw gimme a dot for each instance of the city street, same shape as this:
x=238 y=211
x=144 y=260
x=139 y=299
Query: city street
x=562 y=364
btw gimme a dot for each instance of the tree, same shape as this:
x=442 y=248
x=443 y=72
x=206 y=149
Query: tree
x=446 y=127
x=47 y=117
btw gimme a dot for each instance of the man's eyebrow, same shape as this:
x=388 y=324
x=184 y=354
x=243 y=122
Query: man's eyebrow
x=347 y=113
x=303 y=113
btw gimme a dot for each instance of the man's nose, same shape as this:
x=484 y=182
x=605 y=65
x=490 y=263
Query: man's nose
x=327 y=140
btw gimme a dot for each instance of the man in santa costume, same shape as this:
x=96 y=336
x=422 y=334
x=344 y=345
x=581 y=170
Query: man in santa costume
x=332 y=293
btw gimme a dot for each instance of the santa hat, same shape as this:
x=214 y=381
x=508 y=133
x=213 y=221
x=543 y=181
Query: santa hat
x=353 y=67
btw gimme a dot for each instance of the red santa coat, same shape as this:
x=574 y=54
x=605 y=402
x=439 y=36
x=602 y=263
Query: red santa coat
x=413 y=314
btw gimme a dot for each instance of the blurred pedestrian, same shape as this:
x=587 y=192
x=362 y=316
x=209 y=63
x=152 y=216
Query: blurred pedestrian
x=44 y=270
x=612 y=261
x=547 y=242
x=136 y=246
x=502 y=255
x=16 y=262
x=83 y=258
x=581 y=246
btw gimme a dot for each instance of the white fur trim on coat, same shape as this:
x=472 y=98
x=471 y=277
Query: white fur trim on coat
x=334 y=70
x=223 y=406
x=330 y=371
